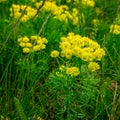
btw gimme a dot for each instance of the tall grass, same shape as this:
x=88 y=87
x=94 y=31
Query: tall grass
x=32 y=86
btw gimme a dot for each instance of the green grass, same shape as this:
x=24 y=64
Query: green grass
x=29 y=85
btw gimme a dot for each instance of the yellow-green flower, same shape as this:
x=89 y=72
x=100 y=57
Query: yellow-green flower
x=73 y=71
x=54 y=53
x=115 y=29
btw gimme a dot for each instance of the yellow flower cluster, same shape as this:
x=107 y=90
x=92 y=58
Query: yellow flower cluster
x=54 y=53
x=90 y=3
x=82 y=47
x=16 y=11
x=61 y=12
x=73 y=71
x=34 y=43
x=115 y=29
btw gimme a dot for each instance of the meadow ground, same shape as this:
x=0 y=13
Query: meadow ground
x=60 y=59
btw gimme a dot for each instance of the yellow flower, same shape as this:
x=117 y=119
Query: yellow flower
x=19 y=39
x=24 y=18
x=35 y=37
x=25 y=39
x=16 y=12
x=90 y=3
x=98 y=54
x=73 y=71
x=36 y=47
x=44 y=40
x=22 y=44
x=26 y=50
x=66 y=53
x=87 y=56
x=81 y=47
x=65 y=45
x=28 y=44
x=17 y=15
x=93 y=66
x=54 y=53
x=115 y=29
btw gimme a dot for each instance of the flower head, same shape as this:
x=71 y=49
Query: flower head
x=54 y=53
x=93 y=66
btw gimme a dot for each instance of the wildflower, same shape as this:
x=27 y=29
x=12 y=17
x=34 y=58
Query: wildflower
x=34 y=43
x=66 y=53
x=73 y=71
x=25 y=39
x=98 y=54
x=115 y=29
x=19 y=39
x=90 y=3
x=87 y=56
x=36 y=47
x=16 y=12
x=54 y=53
x=93 y=66
x=65 y=45
x=22 y=44
x=28 y=44
x=26 y=50
x=35 y=37
x=60 y=12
